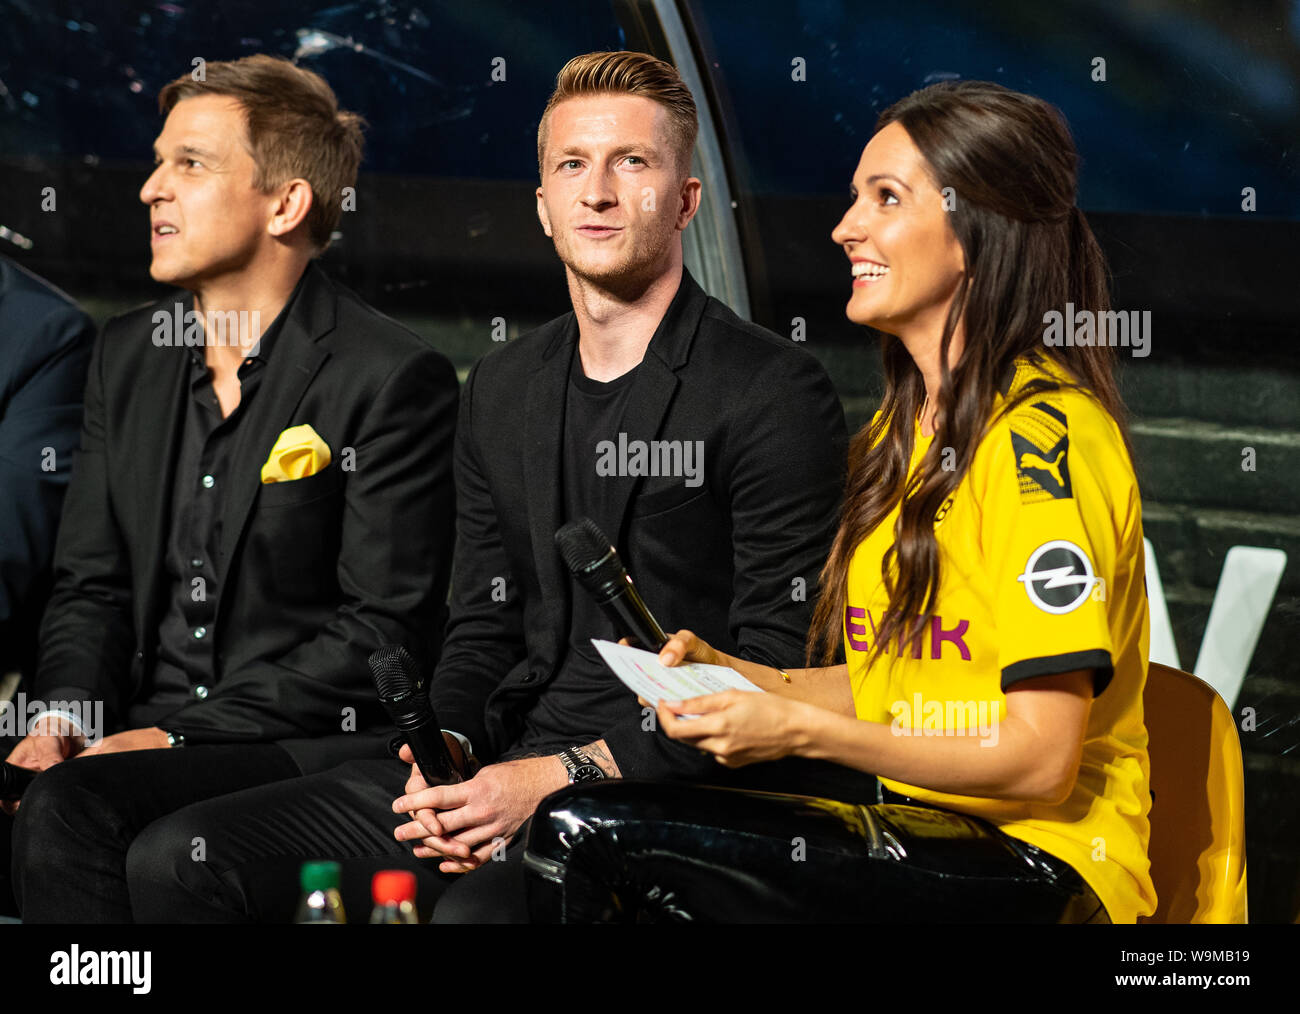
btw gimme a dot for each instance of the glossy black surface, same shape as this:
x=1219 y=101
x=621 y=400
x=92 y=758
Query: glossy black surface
x=628 y=851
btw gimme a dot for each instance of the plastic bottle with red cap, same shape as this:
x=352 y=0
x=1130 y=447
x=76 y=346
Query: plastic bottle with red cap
x=394 y=895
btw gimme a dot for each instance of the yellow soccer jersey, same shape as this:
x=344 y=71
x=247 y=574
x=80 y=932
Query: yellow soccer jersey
x=1041 y=572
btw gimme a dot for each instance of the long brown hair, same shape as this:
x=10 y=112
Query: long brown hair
x=1012 y=164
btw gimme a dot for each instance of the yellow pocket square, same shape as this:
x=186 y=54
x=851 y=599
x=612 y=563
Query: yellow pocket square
x=298 y=452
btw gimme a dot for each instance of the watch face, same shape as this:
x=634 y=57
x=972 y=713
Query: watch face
x=586 y=773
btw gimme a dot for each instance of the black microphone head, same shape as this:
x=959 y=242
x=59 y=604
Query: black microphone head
x=594 y=563
x=13 y=780
x=583 y=545
x=393 y=670
x=592 y=559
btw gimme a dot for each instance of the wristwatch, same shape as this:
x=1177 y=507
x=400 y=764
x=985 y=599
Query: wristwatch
x=175 y=739
x=580 y=768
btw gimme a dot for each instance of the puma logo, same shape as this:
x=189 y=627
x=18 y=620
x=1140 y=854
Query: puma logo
x=1052 y=468
x=1035 y=463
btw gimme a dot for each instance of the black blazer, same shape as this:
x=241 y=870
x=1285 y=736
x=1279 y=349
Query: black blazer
x=315 y=573
x=724 y=559
x=45 y=343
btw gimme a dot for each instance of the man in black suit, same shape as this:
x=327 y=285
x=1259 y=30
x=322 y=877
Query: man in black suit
x=254 y=509
x=560 y=424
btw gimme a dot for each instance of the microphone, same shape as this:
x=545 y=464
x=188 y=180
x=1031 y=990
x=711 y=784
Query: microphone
x=592 y=559
x=401 y=692
x=14 y=781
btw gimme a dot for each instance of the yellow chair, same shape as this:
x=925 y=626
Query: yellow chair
x=1198 y=826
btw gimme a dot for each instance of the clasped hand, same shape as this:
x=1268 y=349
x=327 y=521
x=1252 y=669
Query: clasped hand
x=464 y=822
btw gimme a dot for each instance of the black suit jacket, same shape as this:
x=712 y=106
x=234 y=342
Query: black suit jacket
x=726 y=559
x=45 y=343
x=315 y=573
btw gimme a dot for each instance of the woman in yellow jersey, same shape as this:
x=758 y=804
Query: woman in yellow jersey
x=986 y=584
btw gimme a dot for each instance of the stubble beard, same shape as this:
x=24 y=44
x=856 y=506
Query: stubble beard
x=630 y=275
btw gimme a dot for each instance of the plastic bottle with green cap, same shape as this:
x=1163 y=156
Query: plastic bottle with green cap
x=321 y=902
x=394 y=894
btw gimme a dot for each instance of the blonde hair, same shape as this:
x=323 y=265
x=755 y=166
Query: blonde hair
x=295 y=129
x=627 y=73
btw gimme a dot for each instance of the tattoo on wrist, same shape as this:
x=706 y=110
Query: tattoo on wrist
x=601 y=758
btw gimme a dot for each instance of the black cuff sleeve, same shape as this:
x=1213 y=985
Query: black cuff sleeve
x=1049 y=665
x=647 y=753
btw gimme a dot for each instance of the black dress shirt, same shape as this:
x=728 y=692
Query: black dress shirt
x=193 y=565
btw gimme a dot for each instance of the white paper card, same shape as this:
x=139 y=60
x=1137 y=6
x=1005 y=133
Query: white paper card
x=644 y=674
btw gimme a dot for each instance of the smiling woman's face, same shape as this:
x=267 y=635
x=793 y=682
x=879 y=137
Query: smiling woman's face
x=905 y=259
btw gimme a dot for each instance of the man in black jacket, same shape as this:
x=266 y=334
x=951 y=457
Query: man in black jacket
x=263 y=496
x=709 y=450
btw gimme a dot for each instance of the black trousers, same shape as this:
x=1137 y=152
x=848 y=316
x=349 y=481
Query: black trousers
x=257 y=839
x=656 y=852
x=8 y=905
x=79 y=822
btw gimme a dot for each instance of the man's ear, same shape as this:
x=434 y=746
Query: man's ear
x=541 y=213
x=295 y=200
x=691 y=191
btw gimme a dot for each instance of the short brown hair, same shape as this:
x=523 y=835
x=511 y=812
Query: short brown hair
x=295 y=129
x=627 y=73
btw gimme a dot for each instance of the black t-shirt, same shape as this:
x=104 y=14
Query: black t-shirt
x=585 y=698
